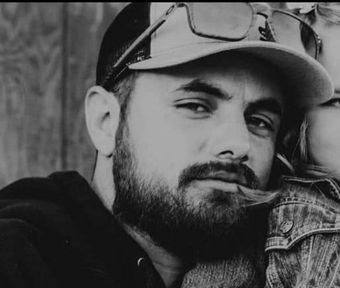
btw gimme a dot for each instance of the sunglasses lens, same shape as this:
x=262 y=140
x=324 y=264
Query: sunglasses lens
x=293 y=33
x=225 y=20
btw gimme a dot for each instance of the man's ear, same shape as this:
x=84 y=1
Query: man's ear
x=102 y=111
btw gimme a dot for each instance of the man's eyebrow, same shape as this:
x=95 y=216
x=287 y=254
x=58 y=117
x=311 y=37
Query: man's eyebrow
x=272 y=105
x=199 y=85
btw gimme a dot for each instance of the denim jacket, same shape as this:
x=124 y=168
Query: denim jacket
x=303 y=243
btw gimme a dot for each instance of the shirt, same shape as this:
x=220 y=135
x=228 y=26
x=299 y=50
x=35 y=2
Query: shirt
x=55 y=232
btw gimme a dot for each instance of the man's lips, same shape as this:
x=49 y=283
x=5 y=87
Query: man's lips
x=209 y=184
x=229 y=178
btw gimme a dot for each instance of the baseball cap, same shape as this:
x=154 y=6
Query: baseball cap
x=174 y=44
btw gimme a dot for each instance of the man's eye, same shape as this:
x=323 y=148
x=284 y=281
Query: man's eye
x=260 y=125
x=334 y=102
x=194 y=108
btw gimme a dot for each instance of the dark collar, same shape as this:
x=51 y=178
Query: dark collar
x=123 y=258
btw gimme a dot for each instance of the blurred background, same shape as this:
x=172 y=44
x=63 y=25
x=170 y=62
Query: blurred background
x=48 y=54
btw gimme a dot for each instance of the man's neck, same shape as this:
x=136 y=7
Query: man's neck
x=171 y=268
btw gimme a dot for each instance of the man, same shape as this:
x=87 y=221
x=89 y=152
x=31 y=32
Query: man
x=185 y=120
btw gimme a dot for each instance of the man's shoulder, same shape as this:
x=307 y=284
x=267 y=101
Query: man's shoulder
x=58 y=189
x=40 y=187
x=36 y=206
x=46 y=236
x=31 y=204
x=56 y=230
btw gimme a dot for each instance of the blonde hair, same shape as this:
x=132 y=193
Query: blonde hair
x=302 y=160
x=327 y=11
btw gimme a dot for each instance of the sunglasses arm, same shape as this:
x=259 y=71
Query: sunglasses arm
x=147 y=33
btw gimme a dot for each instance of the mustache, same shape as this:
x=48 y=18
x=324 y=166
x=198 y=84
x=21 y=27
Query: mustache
x=229 y=172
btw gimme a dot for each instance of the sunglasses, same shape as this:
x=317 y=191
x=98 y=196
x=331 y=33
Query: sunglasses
x=230 y=21
x=290 y=30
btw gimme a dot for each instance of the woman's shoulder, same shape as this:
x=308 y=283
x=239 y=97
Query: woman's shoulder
x=303 y=239
x=305 y=207
x=315 y=191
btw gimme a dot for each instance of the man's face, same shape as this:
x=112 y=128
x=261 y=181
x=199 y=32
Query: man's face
x=194 y=135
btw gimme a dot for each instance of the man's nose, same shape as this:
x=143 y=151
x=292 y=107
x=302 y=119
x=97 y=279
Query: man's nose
x=230 y=141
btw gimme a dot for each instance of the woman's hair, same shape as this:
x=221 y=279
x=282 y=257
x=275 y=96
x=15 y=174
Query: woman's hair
x=327 y=11
x=301 y=159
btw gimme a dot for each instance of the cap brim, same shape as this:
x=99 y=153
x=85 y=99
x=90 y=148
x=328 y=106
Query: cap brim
x=310 y=81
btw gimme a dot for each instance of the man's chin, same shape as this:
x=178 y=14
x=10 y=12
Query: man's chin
x=222 y=230
x=212 y=184
x=214 y=194
x=210 y=230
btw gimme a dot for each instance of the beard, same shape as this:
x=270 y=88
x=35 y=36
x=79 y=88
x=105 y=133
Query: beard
x=219 y=226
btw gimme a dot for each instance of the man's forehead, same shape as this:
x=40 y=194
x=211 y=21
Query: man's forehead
x=257 y=97
x=250 y=87
x=225 y=72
